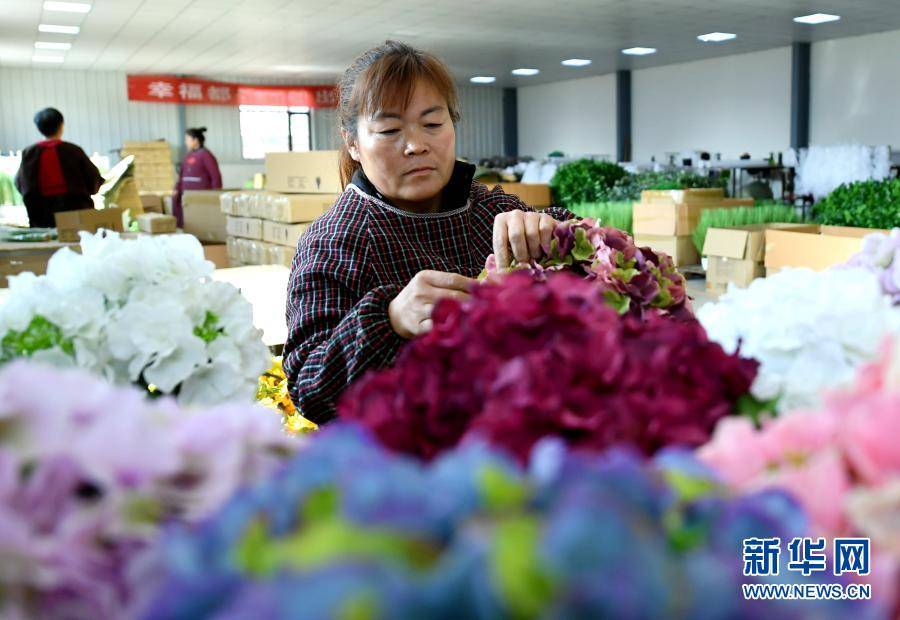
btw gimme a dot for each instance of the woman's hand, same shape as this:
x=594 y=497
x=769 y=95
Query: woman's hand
x=410 y=310
x=523 y=233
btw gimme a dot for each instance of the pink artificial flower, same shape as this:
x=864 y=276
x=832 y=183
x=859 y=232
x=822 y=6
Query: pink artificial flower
x=799 y=453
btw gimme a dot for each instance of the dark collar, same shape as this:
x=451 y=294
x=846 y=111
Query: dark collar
x=454 y=196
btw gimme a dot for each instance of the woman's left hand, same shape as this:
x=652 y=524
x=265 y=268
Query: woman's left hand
x=521 y=235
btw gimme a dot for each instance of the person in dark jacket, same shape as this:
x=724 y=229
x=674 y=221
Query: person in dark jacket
x=199 y=170
x=410 y=228
x=54 y=175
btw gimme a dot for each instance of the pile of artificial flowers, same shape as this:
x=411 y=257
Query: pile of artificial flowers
x=141 y=311
x=90 y=474
x=350 y=530
x=632 y=279
x=523 y=359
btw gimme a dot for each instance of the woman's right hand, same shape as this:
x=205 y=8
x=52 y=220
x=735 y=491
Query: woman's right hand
x=410 y=310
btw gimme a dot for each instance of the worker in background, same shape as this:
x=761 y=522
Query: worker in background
x=199 y=170
x=54 y=175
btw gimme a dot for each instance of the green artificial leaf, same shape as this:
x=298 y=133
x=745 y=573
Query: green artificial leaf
x=321 y=504
x=500 y=490
x=361 y=607
x=620 y=303
x=253 y=553
x=663 y=299
x=749 y=406
x=209 y=330
x=625 y=275
x=583 y=249
x=39 y=335
x=682 y=537
x=143 y=510
x=689 y=488
x=324 y=542
x=516 y=567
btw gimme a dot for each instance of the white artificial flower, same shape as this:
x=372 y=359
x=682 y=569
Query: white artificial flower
x=809 y=330
x=132 y=309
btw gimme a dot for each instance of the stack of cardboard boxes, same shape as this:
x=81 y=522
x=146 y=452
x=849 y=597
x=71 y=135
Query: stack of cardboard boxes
x=263 y=227
x=664 y=220
x=153 y=168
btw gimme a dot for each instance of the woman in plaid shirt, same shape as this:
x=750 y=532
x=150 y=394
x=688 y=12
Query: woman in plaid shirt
x=410 y=228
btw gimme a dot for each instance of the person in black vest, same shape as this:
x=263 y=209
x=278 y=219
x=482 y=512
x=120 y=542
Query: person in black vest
x=54 y=175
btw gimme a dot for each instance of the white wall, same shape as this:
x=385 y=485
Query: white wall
x=855 y=90
x=577 y=117
x=724 y=105
x=95 y=105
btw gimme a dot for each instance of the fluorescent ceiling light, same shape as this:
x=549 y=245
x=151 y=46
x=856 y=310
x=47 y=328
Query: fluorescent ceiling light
x=717 y=37
x=58 y=29
x=47 y=58
x=68 y=7
x=639 y=51
x=49 y=45
x=576 y=62
x=817 y=18
x=525 y=71
x=483 y=79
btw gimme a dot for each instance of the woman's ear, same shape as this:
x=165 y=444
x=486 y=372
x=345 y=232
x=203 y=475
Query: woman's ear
x=351 y=145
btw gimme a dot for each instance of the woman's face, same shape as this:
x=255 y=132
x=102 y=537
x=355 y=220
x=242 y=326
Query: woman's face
x=192 y=144
x=408 y=155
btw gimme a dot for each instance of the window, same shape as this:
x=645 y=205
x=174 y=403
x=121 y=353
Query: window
x=266 y=129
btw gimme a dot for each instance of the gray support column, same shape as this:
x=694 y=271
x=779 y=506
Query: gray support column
x=800 y=81
x=623 y=115
x=510 y=122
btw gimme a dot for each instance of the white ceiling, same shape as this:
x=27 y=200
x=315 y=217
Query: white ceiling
x=314 y=40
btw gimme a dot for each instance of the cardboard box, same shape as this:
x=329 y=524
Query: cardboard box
x=312 y=172
x=283 y=234
x=736 y=255
x=722 y=271
x=738 y=202
x=535 y=195
x=246 y=227
x=20 y=257
x=70 y=223
x=203 y=216
x=746 y=242
x=281 y=255
x=217 y=253
x=816 y=249
x=680 y=248
x=294 y=208
x=126 y=197
x=673 y=213
x=156 y=223
x=152 y=202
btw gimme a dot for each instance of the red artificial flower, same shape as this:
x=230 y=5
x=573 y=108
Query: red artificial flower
x=523 y=359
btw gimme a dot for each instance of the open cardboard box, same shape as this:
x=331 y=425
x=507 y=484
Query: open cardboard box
x=816 y=249
x=70 y=223
x=736 y=255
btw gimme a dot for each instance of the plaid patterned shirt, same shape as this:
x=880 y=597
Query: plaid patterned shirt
x=355 y=259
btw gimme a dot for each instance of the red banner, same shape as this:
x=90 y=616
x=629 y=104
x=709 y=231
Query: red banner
x=192 y=91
